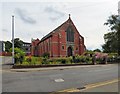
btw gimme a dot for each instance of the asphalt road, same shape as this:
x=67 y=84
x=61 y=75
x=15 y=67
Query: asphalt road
x=113 y=87
x=56 y=80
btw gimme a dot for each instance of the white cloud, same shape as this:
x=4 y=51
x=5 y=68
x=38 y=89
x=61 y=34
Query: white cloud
x=54 y=13
x=24 y=16
x=88 y=17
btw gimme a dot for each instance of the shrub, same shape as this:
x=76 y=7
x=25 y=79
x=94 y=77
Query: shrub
x=88 y=59
x=82 y=59
x=46 y=55
x=25 y=63
x=99 y=60
x=44 y=60
x=34 y=60
x=54 y=61
x=31 y=60
x=112 y=57
x=61 y=60
x=40 y=60
x=19 y=55
x=79 y=59
x=28 y=59
x=69 y=60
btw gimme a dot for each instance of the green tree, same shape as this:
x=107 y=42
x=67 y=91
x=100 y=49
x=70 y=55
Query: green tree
x=8 y=45
x=110 y=42
x=18 y=43
x=114 y=24
x=97 y=50
x=19 y=55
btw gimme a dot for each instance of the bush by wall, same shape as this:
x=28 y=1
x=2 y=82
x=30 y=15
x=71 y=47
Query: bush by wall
x=46 y=55
x=77 y=59
x=19 y=55
x=82 y=59
x=61 y=60
x=33 y=60
x=112 y=57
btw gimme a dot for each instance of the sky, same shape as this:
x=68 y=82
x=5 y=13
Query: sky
x=35 y=18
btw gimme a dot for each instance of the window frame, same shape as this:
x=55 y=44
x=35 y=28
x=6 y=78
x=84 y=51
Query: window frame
x=70 y=34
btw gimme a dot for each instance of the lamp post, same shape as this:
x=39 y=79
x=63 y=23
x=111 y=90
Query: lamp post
x=13 y=61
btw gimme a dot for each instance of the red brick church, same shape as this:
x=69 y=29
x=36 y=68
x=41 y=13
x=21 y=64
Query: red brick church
x=64 y=41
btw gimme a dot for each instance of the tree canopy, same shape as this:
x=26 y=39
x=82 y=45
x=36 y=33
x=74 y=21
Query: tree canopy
x=112 y=39
x=8 y=45
x=110 y=42
x=97 y=50
x=17 y=44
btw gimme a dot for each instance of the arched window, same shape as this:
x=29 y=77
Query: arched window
x=70 y=34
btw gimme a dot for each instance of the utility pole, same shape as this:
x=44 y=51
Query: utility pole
x=119 y=8
x=118 y=32
x=13 y=61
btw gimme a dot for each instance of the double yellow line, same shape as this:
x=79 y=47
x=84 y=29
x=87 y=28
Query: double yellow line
x=101 y=84
x=89 y=86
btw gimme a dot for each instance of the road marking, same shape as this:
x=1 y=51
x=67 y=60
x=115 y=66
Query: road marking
x=70 y=90
x=89 y=86
x=100 y=84
x=67 y=90
x=59 y=80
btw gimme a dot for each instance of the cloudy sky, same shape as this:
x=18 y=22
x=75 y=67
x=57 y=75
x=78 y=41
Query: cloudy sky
x=35 y=19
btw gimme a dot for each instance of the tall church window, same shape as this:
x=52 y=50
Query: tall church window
x=70 y=34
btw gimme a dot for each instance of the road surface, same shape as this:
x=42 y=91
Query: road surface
x=57 y=80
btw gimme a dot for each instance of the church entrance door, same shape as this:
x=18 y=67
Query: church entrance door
x=69 y=51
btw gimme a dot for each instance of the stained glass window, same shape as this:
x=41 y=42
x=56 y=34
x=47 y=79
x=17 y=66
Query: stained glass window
x=70 y=34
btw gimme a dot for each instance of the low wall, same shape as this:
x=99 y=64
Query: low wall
x=40 y=66
x=5 y=54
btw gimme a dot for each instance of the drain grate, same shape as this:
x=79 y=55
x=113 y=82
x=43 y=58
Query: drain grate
x=81 y=88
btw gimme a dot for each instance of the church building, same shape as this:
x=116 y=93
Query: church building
x=64 y=41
